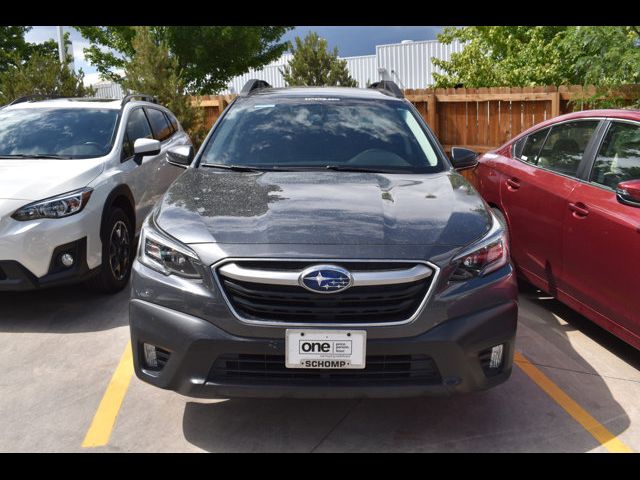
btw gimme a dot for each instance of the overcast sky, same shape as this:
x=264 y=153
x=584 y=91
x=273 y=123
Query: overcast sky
x=350 y=41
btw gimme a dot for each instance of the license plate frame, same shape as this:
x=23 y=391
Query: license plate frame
x=325 y=349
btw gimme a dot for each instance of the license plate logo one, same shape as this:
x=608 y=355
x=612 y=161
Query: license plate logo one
x=339 y=347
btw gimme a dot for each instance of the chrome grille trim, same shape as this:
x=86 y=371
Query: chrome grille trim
x=292 y=277
x=434 y=272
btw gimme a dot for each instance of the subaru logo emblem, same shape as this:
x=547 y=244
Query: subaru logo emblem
x=325 y=279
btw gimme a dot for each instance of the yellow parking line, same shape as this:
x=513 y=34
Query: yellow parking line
x=590 y=424
x=105 y=417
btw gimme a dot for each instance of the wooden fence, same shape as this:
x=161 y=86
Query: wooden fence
x=477 y=118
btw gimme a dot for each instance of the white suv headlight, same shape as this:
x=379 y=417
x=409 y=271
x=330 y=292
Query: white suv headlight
x=484 y=256
x=55 y=207
x=166 y=255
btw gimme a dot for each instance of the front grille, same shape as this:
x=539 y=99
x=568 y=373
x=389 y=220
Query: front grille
x=271 y=370
x=389 y=303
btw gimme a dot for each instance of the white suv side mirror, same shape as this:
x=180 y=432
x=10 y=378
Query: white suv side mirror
x=146 y=146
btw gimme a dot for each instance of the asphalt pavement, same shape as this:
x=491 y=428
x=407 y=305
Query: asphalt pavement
x=66 y=386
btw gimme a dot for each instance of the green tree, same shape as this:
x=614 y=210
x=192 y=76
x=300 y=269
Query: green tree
x=207 y=56
x=502 y=56
x=314 y=65
x=15 y=50
x=153 y=70
x=603 y=55
x=540 y=55
x=42 y=74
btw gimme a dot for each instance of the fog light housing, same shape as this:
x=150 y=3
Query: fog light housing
x=155 y=358
x=67 y=260
x=150 y=357
x=492 y=359
x=496 y=356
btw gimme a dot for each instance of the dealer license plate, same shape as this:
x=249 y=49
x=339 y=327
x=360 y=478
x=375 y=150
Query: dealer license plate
x=326 y=349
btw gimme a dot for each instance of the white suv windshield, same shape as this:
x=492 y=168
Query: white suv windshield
x=56 y=132
x=322 y=132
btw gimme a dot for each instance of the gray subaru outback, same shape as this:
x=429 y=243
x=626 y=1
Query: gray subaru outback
x=321 y=244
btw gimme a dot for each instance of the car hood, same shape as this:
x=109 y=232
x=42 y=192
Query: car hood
x=338 y=208
x=31 y=180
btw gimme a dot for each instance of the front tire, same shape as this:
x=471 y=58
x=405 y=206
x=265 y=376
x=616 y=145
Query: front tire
x=117 y=253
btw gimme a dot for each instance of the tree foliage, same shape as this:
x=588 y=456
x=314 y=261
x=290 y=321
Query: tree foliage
x=153 y=70
x=502 y=56
x=541 y=55
x=314 y=65
x=604 y=56
x=207 y=56
x=42 y=74
x=35 y=68
x=15 y=50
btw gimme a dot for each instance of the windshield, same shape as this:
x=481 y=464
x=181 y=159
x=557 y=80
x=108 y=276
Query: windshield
x=56 y=132
x=320 y=133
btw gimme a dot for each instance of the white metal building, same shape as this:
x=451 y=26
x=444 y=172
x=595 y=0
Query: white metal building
x=407 y=63
x=108 y=90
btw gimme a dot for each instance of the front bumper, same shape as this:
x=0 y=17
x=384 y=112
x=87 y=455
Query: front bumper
x=194 y=344
x=14 y=276
x=28 y=250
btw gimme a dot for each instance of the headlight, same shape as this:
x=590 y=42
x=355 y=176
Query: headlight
x=167 y=255
x=485 y=256
x=55 y=207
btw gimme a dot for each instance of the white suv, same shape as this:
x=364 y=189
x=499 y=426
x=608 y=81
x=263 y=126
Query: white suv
x=77 y=178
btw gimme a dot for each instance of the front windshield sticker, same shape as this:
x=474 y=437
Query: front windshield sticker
x=323 y=99
x=264 y=106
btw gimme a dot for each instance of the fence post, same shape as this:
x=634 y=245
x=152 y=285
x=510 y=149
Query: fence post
x=555 y=104
x=433 y=117
x=221 y=104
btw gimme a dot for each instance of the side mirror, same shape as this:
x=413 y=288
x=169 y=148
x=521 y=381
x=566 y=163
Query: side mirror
x=146 y=146
x=181 y=155
x=462 y=158
x=629 y=192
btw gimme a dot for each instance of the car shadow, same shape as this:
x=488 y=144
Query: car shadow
x=516 y=416
x=68 y=309
x=578 y=322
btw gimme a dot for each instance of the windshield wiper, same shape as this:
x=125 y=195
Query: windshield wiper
x=243 y=168
x=345 y=168
x=36 y=155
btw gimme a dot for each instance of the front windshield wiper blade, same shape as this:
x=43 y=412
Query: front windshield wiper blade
x=243 y=168
x=346 y=168
x=36 y=155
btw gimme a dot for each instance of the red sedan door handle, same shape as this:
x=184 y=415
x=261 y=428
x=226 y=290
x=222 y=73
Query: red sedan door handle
x=579 y=209
x=513 y=183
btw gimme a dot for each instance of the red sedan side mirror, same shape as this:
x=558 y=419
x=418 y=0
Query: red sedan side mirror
x=629 y=192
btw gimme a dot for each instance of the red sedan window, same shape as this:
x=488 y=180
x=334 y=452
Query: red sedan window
x=528 y=148
x=619 y=157
x=565 y=145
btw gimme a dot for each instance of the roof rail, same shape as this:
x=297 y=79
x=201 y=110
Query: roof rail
x=253 y=85
x=141 y=96
x=37 y=96
x=388 y=87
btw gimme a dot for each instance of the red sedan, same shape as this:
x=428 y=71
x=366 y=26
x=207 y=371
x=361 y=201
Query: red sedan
x=569 y=191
